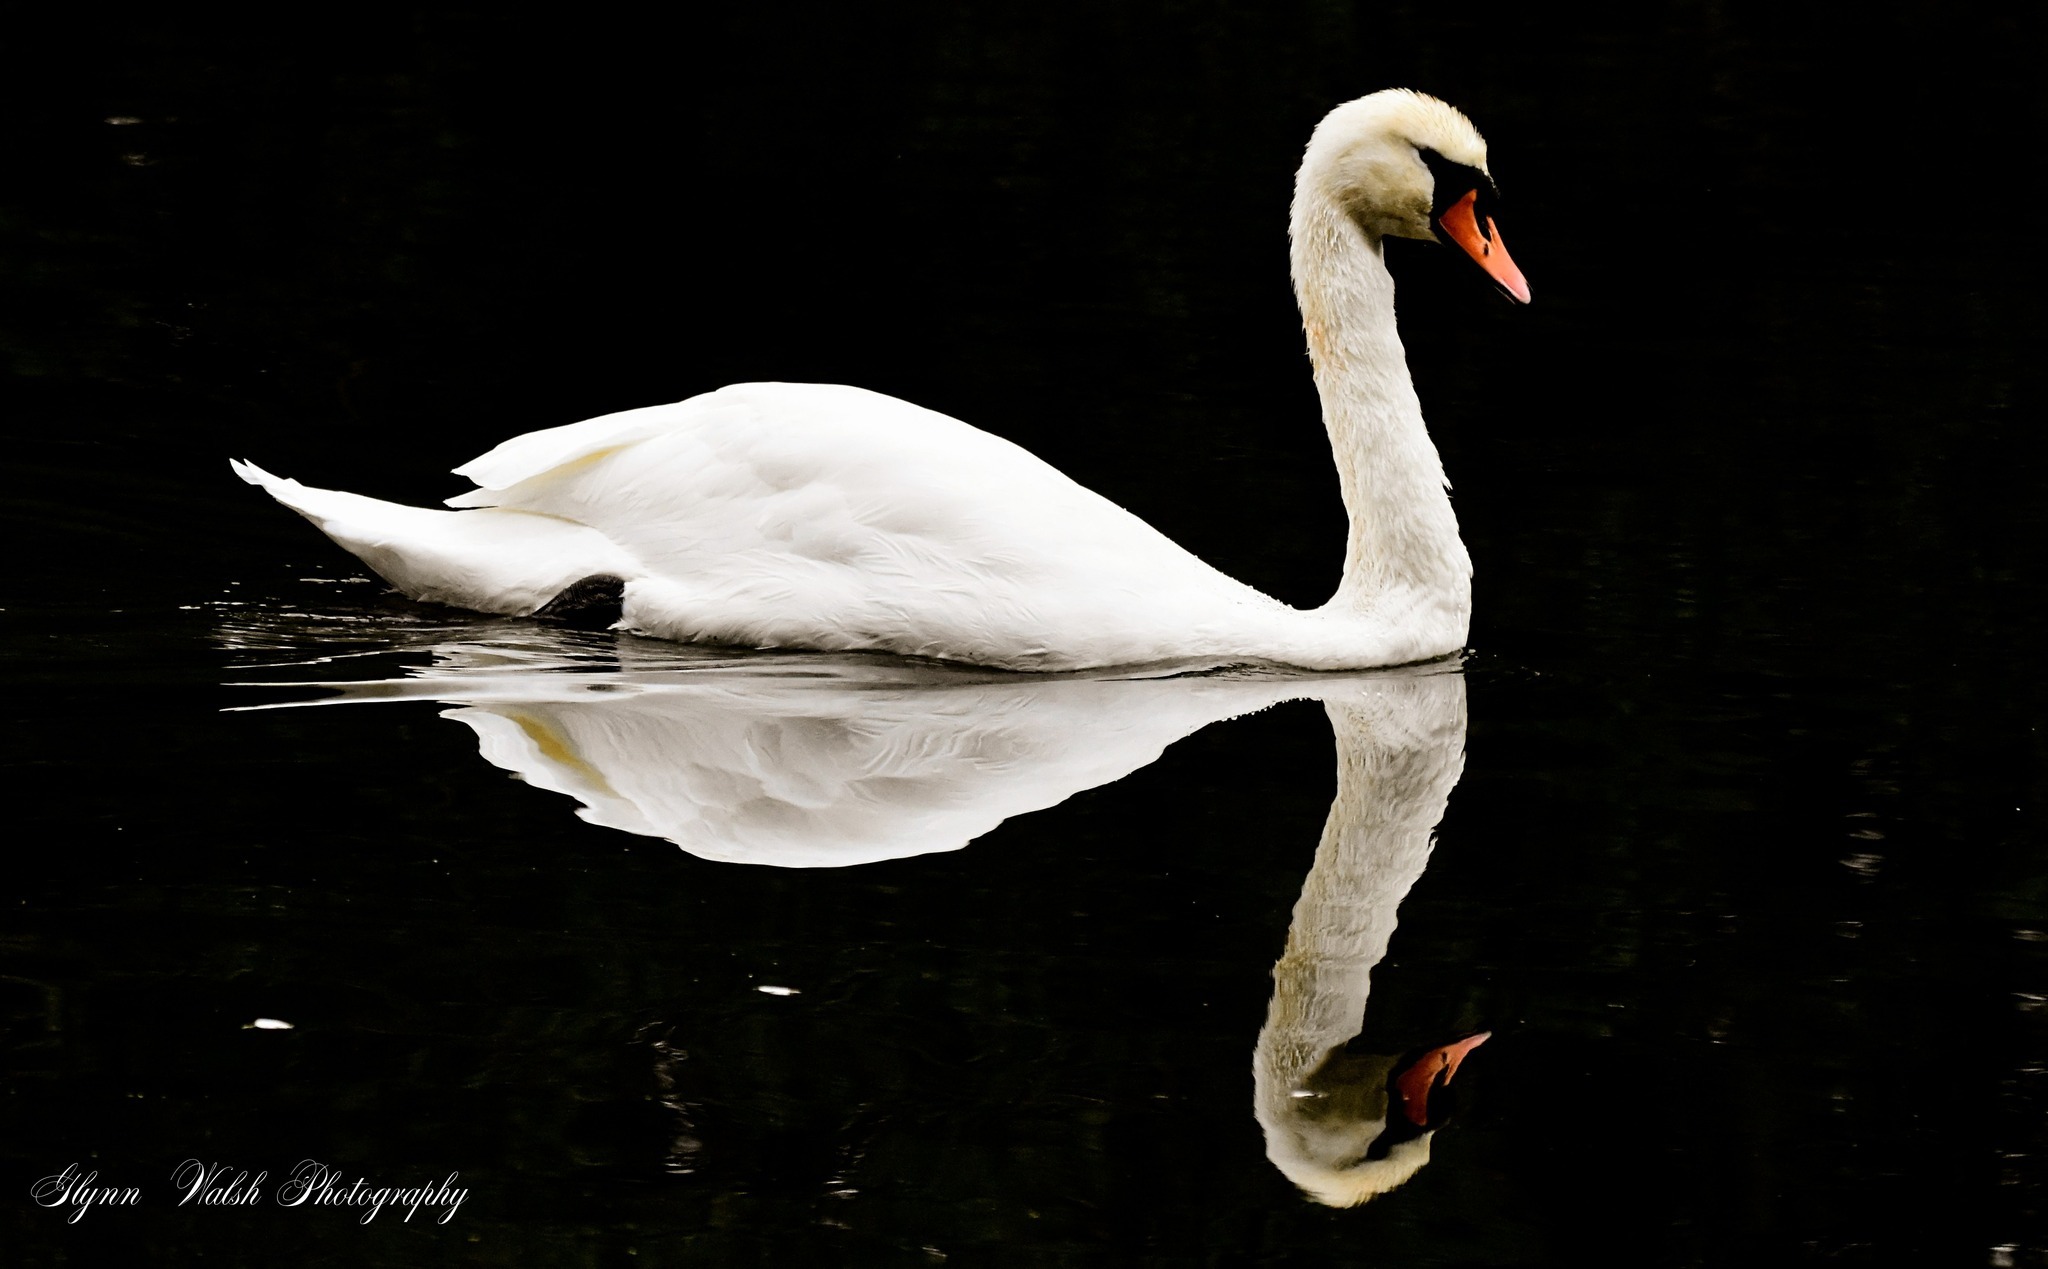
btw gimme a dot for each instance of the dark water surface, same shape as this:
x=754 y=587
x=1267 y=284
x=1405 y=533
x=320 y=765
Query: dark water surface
x=1744 y=870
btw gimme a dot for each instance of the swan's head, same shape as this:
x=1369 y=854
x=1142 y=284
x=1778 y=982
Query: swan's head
x=1402 y=164
x=1358 y=1127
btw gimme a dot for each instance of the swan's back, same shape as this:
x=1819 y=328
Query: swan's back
x=808 y=515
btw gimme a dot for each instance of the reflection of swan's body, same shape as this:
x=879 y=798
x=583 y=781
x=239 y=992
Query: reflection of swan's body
x=802 y=776
x=827 y=761
x=785 y=515
x=1331 y=1124
x=816 y=762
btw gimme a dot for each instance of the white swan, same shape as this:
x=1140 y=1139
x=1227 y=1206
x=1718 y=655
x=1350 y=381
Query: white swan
x=825 y=517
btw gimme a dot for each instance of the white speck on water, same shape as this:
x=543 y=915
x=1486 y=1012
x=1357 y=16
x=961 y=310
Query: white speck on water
x=778 y=991
x=269 y=1024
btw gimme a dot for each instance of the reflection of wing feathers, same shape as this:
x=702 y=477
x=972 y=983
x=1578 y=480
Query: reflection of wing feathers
x=810 y=775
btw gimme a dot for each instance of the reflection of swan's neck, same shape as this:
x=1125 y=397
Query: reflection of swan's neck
x=1404 y=563
x=1400 y=750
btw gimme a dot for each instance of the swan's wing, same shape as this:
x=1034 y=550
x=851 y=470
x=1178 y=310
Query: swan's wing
x=832 y=517
x=518 y=470
x=736 y=449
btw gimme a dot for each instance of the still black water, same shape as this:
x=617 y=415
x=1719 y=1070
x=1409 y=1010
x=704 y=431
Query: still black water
x=1744 y=869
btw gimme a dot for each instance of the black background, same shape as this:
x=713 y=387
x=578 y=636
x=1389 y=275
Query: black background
x=1753 y=490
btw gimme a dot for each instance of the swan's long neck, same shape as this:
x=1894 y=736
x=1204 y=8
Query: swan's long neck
x=1404 y=564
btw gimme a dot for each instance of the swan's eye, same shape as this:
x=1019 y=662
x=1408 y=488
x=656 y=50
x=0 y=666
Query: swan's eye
x=1451 y=182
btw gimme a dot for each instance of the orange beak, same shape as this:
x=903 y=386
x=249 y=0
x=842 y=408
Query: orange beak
x=1486 y=249
x=1415 y=1082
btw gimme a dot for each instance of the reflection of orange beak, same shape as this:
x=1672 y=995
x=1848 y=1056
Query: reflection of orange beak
x=1414 y=1083
x=1486 y=250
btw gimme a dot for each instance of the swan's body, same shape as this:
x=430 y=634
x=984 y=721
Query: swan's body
x=817 y=516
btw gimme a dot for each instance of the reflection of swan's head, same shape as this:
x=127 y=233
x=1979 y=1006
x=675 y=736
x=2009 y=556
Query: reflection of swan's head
x=1361 y=1124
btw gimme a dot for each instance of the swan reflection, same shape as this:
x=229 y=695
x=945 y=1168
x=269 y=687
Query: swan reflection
x=1345 y=1127
x=819 y=761
x=808 y=761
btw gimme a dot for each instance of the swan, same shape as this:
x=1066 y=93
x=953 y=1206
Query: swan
x=825 y=517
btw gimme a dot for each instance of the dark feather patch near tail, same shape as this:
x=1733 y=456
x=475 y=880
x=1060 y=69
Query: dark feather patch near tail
x=591 y=604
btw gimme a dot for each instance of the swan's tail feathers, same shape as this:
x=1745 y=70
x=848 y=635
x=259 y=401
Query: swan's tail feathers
x=314 y=504
x=491 y=560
